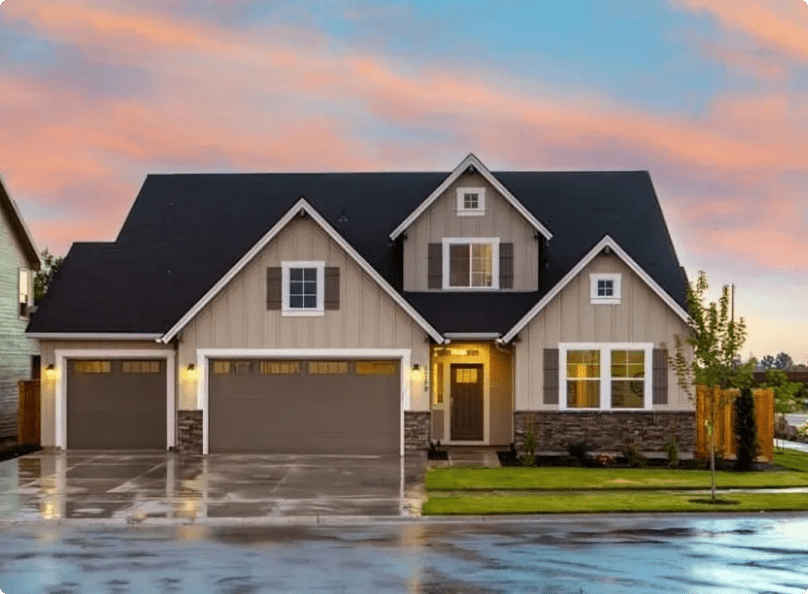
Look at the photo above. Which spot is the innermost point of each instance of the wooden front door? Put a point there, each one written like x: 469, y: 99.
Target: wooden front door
x: 466, y: 391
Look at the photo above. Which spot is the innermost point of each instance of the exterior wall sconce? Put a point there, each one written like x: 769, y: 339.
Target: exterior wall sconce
x: 417, y: 373
x: 50, y: 371
x: 190, y: 371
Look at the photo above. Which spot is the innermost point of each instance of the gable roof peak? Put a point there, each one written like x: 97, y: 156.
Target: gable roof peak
x: 18, y: 225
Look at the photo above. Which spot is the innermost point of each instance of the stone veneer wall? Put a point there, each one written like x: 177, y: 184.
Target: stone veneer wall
x: 417, y: 430
x: 608, y: 432
x: 189, y: 432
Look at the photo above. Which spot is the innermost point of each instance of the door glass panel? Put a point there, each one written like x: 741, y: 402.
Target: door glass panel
x: 466, y: 375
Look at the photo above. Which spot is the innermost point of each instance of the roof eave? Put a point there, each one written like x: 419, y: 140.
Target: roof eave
x: 23, y: 233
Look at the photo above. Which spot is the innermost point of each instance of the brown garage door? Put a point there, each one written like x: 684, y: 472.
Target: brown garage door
x: 116, y: 404
x: 305, y: 407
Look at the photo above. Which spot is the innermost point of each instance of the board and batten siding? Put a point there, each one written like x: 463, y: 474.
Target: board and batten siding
x: 500, y: 220
x: 48, y: 385
x: 367, y: 318
x: 15, y: 349
x: 570, y: 317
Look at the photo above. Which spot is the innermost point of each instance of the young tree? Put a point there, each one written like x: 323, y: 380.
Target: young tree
x: 715, y: 339
x: 45, y: 275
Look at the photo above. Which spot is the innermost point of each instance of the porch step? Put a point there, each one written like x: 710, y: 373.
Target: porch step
x: 470, y: 456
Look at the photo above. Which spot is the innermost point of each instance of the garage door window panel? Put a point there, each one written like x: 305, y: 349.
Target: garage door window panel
x: 328, y: 367
x: 140, y: 367
x: 92, y: 366
x: 280, y: 367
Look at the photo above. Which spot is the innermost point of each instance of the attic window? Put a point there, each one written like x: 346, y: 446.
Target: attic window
x: 604, y: 289
x: 470, y: 202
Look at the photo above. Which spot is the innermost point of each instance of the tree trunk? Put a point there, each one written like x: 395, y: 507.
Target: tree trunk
x: 712, y: 462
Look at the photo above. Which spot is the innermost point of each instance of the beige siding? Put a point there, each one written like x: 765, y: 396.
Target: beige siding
x: 48, y: 385
x: 640, y: 317
x: 368, y: 317
x: 501, y: 394
x: 500, y: 220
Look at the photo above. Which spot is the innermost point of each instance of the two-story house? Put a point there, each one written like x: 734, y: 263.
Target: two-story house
x: 369, y: 313
x: 19, y: 355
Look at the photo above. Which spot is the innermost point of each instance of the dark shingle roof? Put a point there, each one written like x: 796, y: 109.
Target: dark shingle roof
x: 186, y: 231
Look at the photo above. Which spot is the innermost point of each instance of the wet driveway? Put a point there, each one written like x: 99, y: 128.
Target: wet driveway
x: 626, y: 555
x: 127, y: 487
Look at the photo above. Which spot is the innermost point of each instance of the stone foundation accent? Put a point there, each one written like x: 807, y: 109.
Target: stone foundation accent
x: 608, y: 432
x: 417, y: 429
x: 189, y: 432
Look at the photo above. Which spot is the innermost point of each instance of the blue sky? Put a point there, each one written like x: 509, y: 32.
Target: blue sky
x: 707, y: 95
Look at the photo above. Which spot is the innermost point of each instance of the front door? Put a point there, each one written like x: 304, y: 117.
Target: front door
x: 466, y: 389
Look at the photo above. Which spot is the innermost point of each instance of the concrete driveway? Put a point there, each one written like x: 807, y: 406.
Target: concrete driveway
x: 160, y: 487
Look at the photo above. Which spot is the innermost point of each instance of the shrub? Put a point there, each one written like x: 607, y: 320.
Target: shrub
x: 672, y: 450
x: 802, y: 430
x: 530, y: 445
x: 579, y: 451
x: 745, y: 430
x: 633, y: 456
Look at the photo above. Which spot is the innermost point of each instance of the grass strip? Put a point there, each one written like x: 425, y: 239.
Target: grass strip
x: 792, y: 459
x: 610, y: 502
x: 561, y: 478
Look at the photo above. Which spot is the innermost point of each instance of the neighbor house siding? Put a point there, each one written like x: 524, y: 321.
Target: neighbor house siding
x: 48, y: 385
x: 500, y: 220
x: 641, y: 316
x: 367, y: 317
x: 15, y: 348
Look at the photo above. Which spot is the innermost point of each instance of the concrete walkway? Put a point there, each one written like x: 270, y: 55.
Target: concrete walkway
x: 163, y: 487
x: 791, y: 445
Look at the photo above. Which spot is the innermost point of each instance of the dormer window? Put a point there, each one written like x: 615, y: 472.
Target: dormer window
x: 470, y: 202
x: 604, y: 288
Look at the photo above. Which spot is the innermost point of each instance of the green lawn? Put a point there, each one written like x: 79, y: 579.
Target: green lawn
x: 792, y: 459
x: 611, y: 501
x: 561, y: 478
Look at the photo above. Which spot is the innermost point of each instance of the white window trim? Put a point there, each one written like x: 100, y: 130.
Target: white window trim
x: 286, y: 267
x: 462, y: 211
x: 448, y: 241
x: 29, y: 290
x: 61, y: 359
x: 203, y: 357
x: 617, y: 295
x: 605, y: 349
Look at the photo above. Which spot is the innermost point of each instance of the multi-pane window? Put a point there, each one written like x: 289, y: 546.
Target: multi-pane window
x: 140, y: 367
x: 302, y: 288
x: 471, y: 264
x: 328, y: 367
x: 92, y: 366
x: 280, y: 367
x: 376, y: 368
x: 470, y: 202
x: 628, y: 379
x: 24, y: 290
x: 606, y: 376
x: 583, y: 379
x: 605, y: 288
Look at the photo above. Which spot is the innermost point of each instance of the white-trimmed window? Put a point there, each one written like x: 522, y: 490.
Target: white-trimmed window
x: 471, y: 263
x: 303, y: 288
x: 24, y: 284
x: 470, y: 202
x: 604, y: 288
x: 605, y: 376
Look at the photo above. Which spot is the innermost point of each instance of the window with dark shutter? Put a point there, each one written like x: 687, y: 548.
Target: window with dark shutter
x: 550, y: 376
x: 331, y: 287
x: 274, y: 287
x: 660, y: 387
x: 506, y: 266
x: 435, y: 266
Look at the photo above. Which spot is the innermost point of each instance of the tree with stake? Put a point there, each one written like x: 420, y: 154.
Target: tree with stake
x: 715, y: 338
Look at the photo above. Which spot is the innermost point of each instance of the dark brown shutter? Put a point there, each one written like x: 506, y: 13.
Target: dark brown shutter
x: 550, y: 376
x: 660, y: 376
x: 506, y: 266
x: 274, y: 280
x: 435, y: 266
x: 331, y: 300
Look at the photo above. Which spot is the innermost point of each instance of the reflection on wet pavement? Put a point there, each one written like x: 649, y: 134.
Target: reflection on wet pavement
x: 140, y: 487
x: 594, y: 555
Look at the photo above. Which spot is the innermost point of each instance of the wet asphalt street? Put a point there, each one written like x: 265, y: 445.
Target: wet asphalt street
x: 634, y: 554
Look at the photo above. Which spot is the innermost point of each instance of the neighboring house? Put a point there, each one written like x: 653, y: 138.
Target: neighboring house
x: 370, y: 313
x: 19, y: 355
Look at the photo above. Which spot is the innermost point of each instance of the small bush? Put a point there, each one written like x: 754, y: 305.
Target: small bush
x: 633, y: 456
x: 802, y: 431
x: 579, y: 450
x: 745, y: 430
x: 531, y: 443
x: 672, y: 451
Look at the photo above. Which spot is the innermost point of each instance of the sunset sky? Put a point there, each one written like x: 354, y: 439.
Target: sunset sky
x: 710, y: 96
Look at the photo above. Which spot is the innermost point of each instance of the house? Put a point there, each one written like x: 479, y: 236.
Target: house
x: 370, y: 313
x: 19, y: 355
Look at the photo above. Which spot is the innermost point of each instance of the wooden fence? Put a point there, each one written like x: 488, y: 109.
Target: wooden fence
x: 725, y: 422
x: 28, y: 413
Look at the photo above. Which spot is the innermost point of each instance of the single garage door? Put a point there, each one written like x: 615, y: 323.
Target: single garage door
x: 116, y: 404
x: 304, y: 407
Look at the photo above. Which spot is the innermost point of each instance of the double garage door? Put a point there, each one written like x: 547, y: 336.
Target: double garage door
x: 255, y: 406
x: 304, y: 406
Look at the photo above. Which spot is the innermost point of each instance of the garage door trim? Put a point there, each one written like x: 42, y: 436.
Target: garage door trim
x: 204, y: 355
x: 63, y: 356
